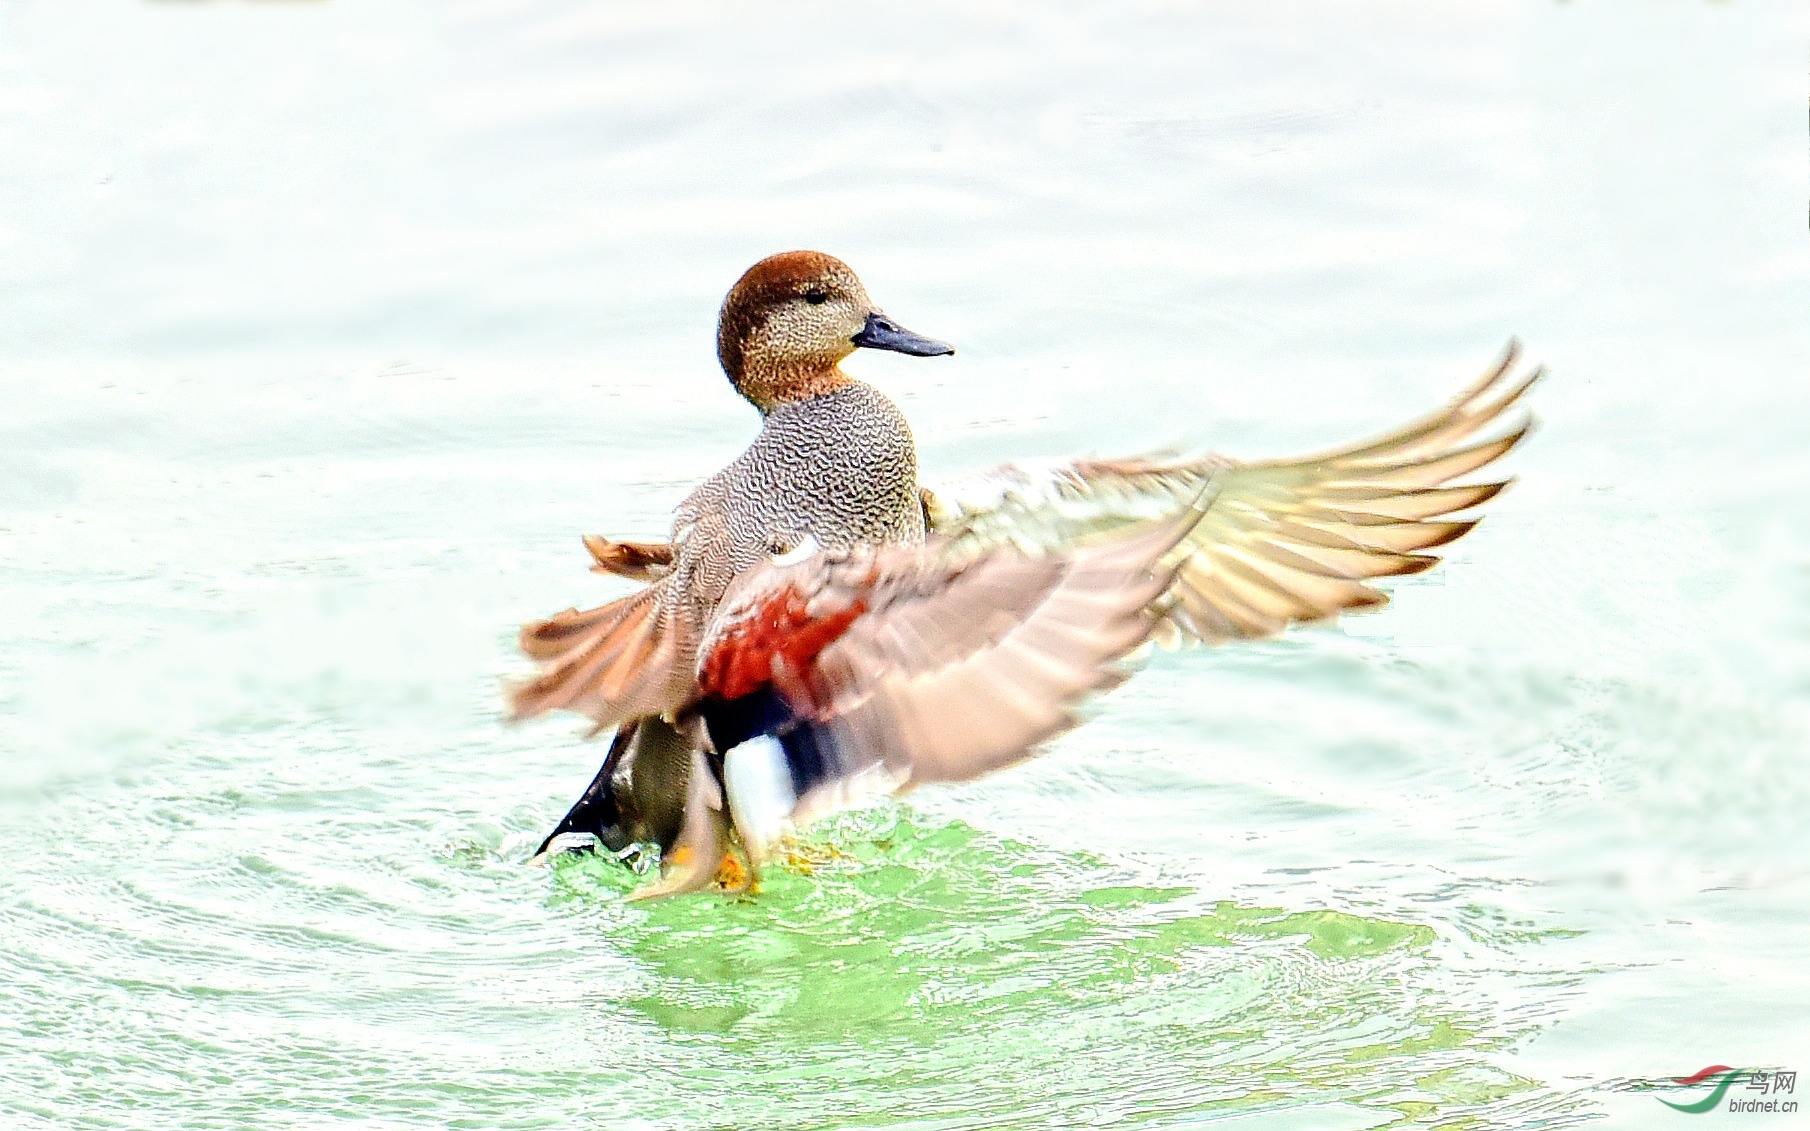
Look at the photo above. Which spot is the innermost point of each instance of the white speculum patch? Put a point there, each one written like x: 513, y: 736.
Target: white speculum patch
x: 759, y: 784
x: 807, y: 546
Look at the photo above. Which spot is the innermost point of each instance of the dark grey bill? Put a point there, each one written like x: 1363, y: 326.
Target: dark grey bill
x: 882, y: 333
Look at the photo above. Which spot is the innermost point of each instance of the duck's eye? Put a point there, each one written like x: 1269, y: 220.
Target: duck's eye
x: 816, y: 298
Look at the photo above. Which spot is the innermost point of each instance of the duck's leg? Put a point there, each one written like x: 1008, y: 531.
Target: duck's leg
x: 807, y: 858
x: 732, y: 875
x: 694, y: 860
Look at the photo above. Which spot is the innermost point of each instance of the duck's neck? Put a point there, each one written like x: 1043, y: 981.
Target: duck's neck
x: 771, y: 386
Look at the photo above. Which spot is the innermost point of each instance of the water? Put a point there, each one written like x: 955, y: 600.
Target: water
x: 329, y: 327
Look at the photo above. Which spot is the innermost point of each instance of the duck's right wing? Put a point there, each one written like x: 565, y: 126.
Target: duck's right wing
x: 841, y: 675
x: 970, y: 673
x: 1282, y: 541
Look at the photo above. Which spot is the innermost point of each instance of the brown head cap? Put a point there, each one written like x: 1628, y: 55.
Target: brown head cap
x: 791, y: 319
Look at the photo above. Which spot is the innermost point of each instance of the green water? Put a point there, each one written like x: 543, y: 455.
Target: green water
x: 326, y: 328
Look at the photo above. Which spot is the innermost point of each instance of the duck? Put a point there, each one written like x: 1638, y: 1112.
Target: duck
x: 819, y: 629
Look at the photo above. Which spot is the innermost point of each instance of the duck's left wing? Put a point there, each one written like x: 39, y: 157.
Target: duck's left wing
x: 1282, y: 541
x: 637, y: 561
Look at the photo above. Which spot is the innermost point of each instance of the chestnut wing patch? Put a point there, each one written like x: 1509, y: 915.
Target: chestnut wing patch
x: 883, y: 668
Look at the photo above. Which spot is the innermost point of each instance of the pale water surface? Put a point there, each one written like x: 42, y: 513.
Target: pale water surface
x: 325, y: 328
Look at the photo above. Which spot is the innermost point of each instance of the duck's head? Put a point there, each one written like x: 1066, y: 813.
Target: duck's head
x: 791, y: 319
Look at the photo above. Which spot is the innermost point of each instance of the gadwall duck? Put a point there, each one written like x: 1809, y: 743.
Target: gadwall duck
x: 819, y: 629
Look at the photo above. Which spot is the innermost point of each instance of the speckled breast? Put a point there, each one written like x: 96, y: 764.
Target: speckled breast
x: 841, y: 468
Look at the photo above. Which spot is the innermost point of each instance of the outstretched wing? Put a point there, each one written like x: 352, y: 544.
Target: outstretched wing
x: 620, y: 661
x: 637, y: 561
x: 951, y: 682
x: 841, y: 675
x: 1282, y: 541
